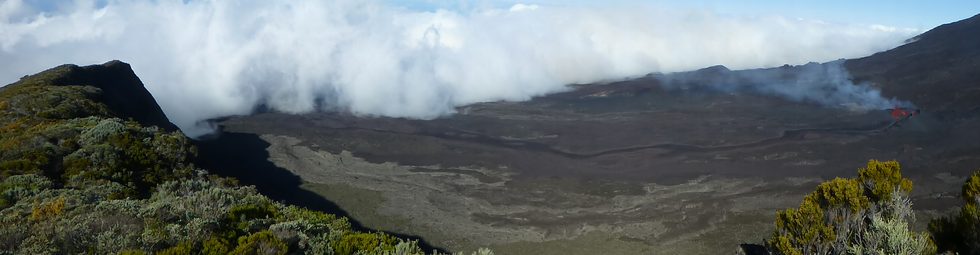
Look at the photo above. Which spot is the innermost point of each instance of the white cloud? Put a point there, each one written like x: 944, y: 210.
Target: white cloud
x: 205, y: 59
x: 523, y: 7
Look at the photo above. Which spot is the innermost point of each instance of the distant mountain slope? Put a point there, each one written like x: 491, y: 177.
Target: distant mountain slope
x: 938, y: 70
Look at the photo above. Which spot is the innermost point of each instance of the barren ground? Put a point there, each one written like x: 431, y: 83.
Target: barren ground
x: 623, y: 168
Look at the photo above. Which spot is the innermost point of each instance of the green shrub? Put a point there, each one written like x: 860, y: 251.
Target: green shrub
x: 245, y: 212
x: 214, y: 246
x: 15, y: 188
x: 182, y: 248
x: 890, y: 234
x: 960, y: 232
x: 866, y: 215
x: 352, y: 243
x: 313, y: 217
x: 49, y: 209
x: 841, y: 192
x: 882, y: 179
x: 802, y: 230
x: 242, y: 217
x: 412, y: 248
x: 260, y: 243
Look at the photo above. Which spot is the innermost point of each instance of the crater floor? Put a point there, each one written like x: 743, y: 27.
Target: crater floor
x: 621, y: 168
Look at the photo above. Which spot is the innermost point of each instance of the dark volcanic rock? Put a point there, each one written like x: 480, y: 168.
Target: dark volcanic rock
x: 939, y: 70
x: 121, y: 90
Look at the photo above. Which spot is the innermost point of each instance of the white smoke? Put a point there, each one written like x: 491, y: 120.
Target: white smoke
x: 206, y: 59
x: 828, y: 84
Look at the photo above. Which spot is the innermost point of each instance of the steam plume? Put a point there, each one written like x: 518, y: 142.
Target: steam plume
x: 828, y: 84
x: 205, y: 59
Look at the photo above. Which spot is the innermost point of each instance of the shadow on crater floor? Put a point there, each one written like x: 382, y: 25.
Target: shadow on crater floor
x: 244, y: 157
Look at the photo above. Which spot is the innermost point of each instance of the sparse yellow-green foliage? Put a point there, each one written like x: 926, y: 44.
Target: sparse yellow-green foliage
x: 960, y: 232
x: 49, y: 209
x: 840, y: 192
x: 182, y: 248
x: 214, y: 246
x: 971, y: 189
x: 15, y: 188
x: 365, y: 242
x: 196, y: 215
x: 801, y: 229
x: 241, y: 217
x: 261, y: 243
x: 883, y: 179
x: 865, y: 215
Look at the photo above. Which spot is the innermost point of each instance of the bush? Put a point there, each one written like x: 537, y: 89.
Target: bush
x: 883, y: 179
x: 215, y: 246
x: 260, y: 243
x: 241, y: 217
x: 48, y: 209
x: 888, y: 233
x: 960, y: 232
x: 365, y: 242
x: 864, y: 215
x: 182, y: 248
x: 18, y: 187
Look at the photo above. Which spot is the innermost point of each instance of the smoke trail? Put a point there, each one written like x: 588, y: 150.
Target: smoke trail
x: 828, y: 84
x: 205, y: 59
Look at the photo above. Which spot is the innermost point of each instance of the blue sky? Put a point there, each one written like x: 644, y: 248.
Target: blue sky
x: 899, y: 13
x: 916, y: 14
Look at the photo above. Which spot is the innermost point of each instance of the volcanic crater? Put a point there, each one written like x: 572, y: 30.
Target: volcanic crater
x: 631, y: 167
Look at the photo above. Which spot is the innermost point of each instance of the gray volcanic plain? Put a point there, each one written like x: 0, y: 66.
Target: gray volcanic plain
x: 629, y: 167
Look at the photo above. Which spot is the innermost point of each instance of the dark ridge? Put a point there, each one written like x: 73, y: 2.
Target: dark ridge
x: 717, y: 69
x: 122, y: 90
x: 962, y: 28
x: 244, y: 157
x: 937, y: 70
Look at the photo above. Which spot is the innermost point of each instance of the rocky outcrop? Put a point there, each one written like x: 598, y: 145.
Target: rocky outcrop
x: 120, y: 90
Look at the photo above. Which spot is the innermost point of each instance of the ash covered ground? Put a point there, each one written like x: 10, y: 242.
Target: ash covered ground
x: 643, y: 166
x: 627, y: 167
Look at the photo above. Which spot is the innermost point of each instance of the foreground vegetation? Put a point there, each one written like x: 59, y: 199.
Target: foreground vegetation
x: 196, y: 214
x: 870, y: 214
x: 960, y: 231
x: 75, y: 179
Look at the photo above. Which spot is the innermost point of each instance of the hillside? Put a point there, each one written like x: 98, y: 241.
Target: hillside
x: 89, y: 163
x: 937, y: 69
